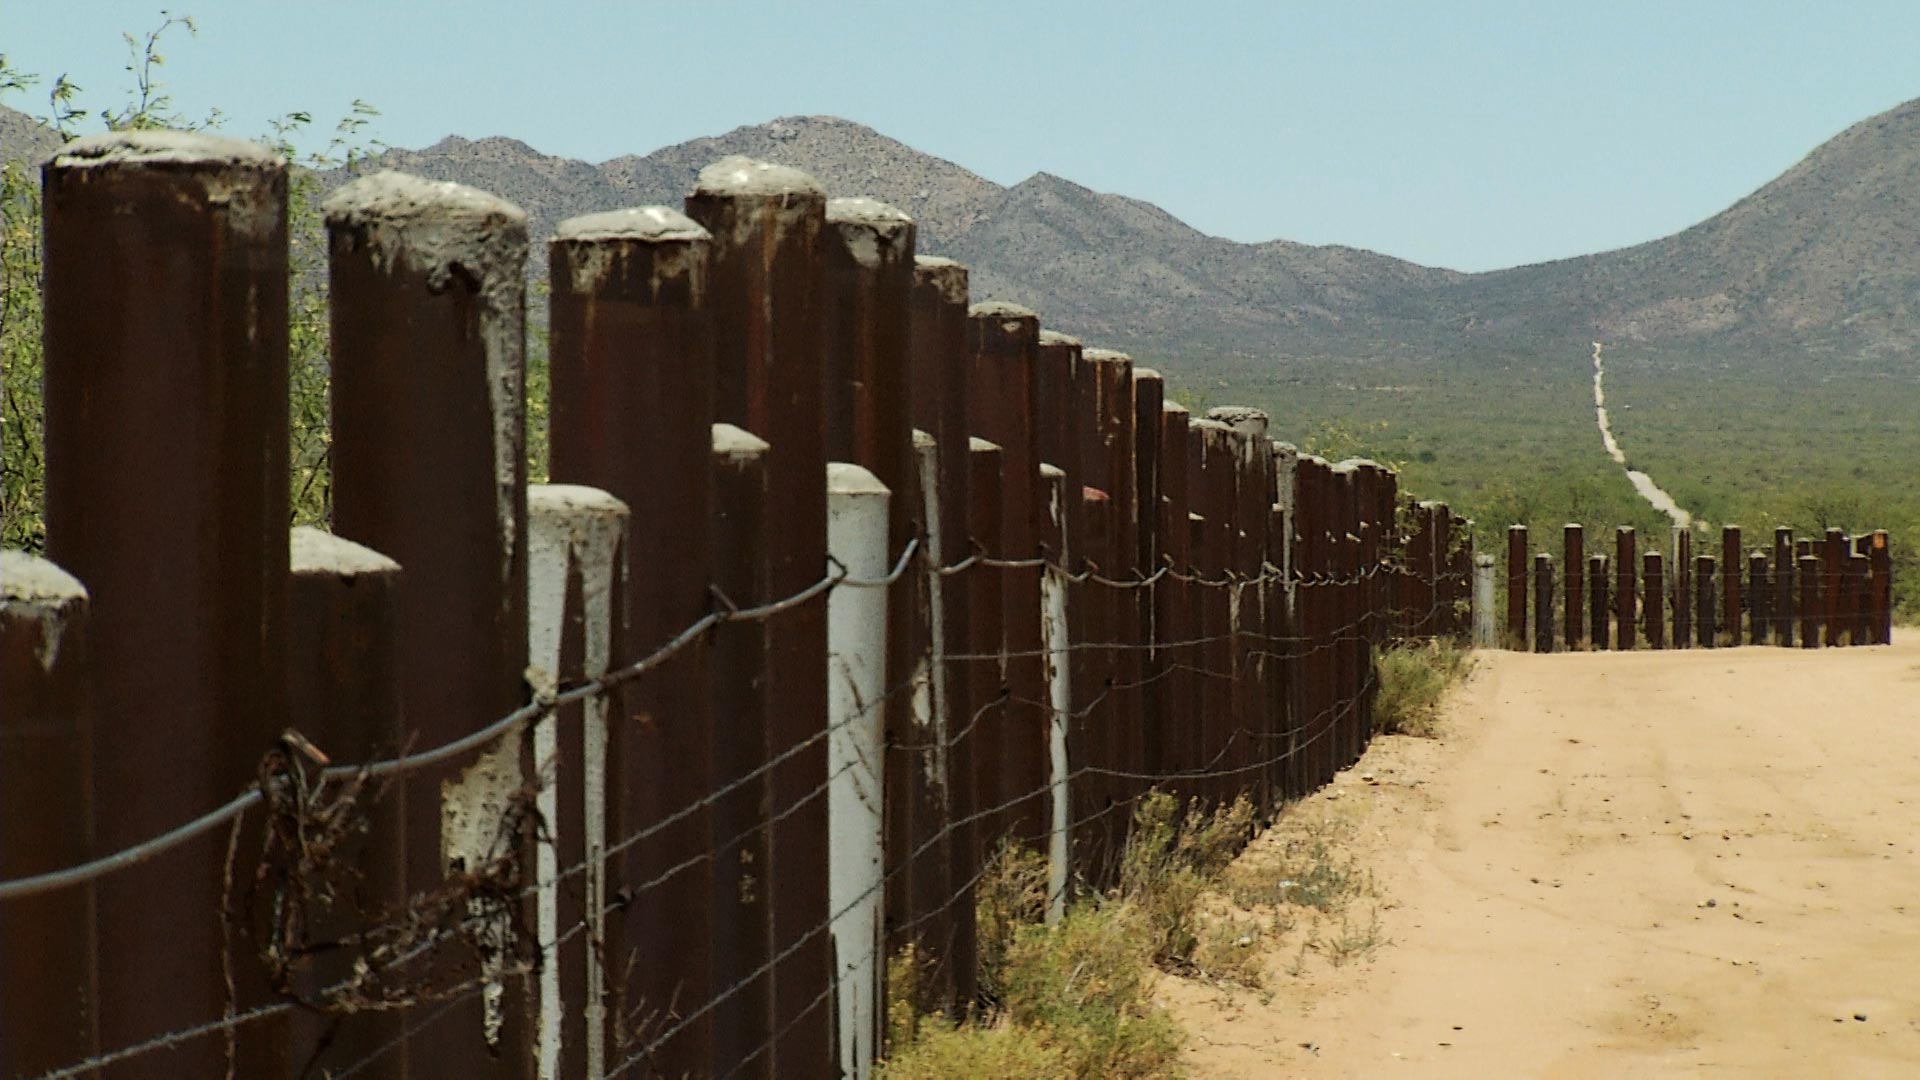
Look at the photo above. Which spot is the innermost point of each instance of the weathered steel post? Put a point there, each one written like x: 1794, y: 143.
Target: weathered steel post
x: 428, y: 325
x: 1654, y: 578
x: 1004, y: 341
x: 1833, y: 567
x: 343, y: 694
x: 1624, y: 562
x: 1732, y: 605
x: 1149, y: 401
x: 1682, y: 586
x: 1782, y: 570
x: 868, y: 326
x: 938, y: 385
x: 1517, y: 586
x: 1172, y: 601
x: 1705, y: 635
x: 1484, y: 634
x: 1543, y: 601
x: 1601, y: 609
x: 48, y: 961
x: 1882, y: 558
x: 632, y: 410
x: 1576, y: 557
x: 982, y: 735
x: 1760, y: 597
x: 765, y: 294
x: 1809, y: 572
x: 742, y: 827
x: 166, y: 455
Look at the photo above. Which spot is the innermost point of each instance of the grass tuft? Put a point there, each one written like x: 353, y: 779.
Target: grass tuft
x: 1412, y: 681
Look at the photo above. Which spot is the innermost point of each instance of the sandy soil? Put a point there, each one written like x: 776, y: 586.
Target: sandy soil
x: 1646, y: 865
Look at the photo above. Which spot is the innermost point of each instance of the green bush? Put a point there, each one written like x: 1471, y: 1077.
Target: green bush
x: 1084, y: 985
x: 1412, y: 679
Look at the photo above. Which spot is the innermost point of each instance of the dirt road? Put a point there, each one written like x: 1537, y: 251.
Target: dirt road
x: 1648, y: 865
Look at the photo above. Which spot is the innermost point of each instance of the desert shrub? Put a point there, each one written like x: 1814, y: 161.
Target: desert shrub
x: 1412, y: 679
x: 1170, y: 863
x: 1012, y: 893
x: 1084, y: 985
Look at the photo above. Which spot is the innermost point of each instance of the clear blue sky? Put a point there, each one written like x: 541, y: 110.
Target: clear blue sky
x: 1470, y: 135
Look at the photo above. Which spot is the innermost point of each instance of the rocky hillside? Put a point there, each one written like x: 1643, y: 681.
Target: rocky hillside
x: 1823, y: 262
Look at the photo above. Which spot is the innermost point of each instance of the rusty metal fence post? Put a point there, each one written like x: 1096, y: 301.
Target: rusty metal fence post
x: 1881, y: 556
x: 1809, y: 566
x: 1682, y: 587
x: 1732, y: 605
x: 1149, y: 402
x: 1782, y: 570
x: 632, y: 408
x: 765, y: 295
x: 938, y: 386
x: 1517, y: 586
x: 343, y: 694
x: 984, y: 732
x: 428, y: 316
x: 1653, y: 577
x: 1705, y: 635
x: 1543, y: 601
x: 1625, y: 600
x: 742, y: 827
x: 48, y: 962
x: 1172, y: 602
x: 1574, y: 538
x: 165, y: 296
x: 868, y: 326
x: 1602, y: 612
x: 1003, y: 341
x: 1759, y: 598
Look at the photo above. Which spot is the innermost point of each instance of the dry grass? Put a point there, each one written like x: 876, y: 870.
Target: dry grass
x: 1413, y: 679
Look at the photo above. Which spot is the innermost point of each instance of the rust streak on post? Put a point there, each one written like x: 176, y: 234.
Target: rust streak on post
x: 765, y: 296
x: 46, y: 818
x: 165, y: 293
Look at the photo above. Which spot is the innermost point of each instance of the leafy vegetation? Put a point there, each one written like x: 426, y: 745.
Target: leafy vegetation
x: 1412, y: 680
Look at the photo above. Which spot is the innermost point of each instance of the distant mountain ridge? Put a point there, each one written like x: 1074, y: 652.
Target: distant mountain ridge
x: 1822, y: 263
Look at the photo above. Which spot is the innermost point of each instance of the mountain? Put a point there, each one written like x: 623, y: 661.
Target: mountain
x: 1821, y: 263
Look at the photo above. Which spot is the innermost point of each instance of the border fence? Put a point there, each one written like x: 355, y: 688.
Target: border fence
x: 1826, y: 591
x: 845, y: 585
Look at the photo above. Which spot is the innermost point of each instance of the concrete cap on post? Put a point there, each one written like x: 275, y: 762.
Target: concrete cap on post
x: 738, y: 176
x: 737, y: 443
x: 978, y: 445
x: 37, y: 583
x: 1009, y: 314
x: 869, y: 227
x: 1246, y: 420
x: 949, y: 278
x: 648, y: 224
x: 316, y: 551
x: 1173, y: 407
x: 593, y: 247
x: 247, y: 179
x: 1056, y: 338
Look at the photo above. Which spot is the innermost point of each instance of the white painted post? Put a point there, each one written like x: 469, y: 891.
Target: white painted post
x: 1059, y: 670
x: 1485, y: 636
x: 856, y: 675
x: 933, y: 674
x: 573, y: 533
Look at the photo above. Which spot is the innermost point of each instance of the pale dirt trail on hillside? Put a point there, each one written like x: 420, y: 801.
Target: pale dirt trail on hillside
x: 1546, y: 872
